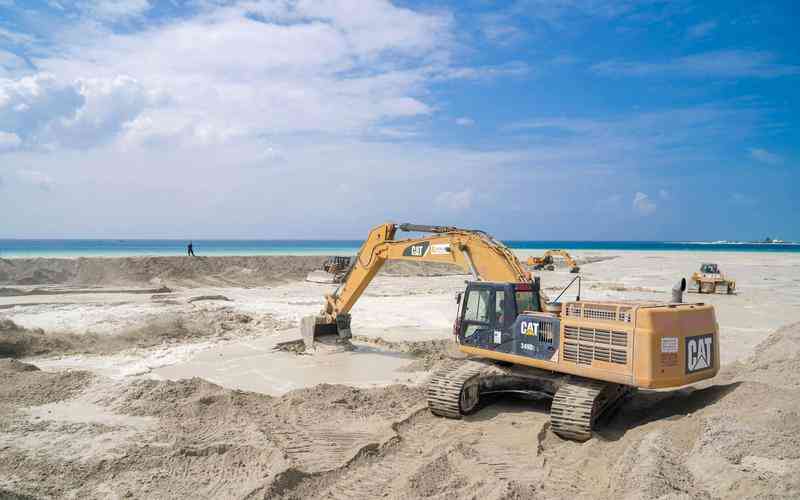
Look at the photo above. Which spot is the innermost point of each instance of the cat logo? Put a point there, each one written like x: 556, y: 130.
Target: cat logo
x: 416, y: 250
x: 699, y: 353
x: 529, y: 328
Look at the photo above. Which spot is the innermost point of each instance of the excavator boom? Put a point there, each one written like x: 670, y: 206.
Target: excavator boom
x: 474, y: 251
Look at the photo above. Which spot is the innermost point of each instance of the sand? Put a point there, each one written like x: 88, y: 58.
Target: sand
x: 126, y: 390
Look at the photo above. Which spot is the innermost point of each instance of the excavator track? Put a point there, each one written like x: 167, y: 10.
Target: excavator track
x: 454, y: 390
x: 579, y: 403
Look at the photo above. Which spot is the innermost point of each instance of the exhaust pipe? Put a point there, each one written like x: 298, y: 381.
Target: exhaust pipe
x: 677, y: 291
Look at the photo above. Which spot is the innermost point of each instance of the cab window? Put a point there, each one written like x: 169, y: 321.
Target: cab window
x: 477, y: 306
x: 499, y: 313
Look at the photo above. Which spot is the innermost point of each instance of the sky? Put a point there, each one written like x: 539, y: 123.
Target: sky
x: 530, y: 119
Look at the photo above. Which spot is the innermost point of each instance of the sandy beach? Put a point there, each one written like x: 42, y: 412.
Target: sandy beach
x: 157, y: 377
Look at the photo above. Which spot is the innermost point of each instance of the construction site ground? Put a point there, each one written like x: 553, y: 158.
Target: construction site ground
x: 158, y: 378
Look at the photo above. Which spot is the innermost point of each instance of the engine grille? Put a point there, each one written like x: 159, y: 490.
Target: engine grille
x: 547, y: 331
x: 600, y: 312
x: 582, y: 345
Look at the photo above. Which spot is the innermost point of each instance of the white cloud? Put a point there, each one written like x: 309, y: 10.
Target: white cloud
x: 36, y: 178
x: 764, y: 156
x: 272, y: 155
x: 11, y: 64
x: 454, y: 201
x: 264, y: 68
x: 16, y: 37
x: 721, y: 64
x: 643, y: 205
x: 43, y: 111
x: 249, y: 69
x: 465, y: 121
x: 701, y: 30
x: 8, y: 141
x: 501, y: 29
x: 511, y: 69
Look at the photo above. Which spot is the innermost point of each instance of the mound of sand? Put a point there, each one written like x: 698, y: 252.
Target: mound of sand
x: 72, y: 434
x: 182, y: 271
x: 166, y: 328
x: 185, y: 439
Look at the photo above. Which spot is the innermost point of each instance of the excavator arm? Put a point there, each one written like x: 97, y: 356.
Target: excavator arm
x: 474, y: 251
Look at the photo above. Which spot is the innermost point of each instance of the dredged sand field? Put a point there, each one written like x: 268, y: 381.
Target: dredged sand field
x: 142, y: 363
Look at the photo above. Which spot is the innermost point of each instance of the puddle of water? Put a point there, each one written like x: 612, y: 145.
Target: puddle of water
x: 253, y: 365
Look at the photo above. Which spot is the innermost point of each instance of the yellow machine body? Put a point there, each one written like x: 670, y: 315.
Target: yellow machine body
x: 642, y: 345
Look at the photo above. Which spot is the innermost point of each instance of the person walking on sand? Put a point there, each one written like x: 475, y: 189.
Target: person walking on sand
x: 190, y: 250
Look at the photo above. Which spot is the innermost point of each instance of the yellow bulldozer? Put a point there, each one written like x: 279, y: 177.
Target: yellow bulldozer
x: 586, y: 355
x: 546, y: 261
x: 710, y: 279
x: 333, y: 270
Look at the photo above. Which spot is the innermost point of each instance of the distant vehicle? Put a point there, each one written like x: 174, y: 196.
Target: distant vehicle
x: 711, y: 280
x: 333, y: 270
x: 546, y: 261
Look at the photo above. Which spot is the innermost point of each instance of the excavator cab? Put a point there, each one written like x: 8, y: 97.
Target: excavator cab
x: 507, y: 318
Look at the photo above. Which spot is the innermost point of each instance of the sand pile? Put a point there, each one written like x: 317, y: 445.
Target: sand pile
x: 183, y: 271
x: 738, y: 437
x: 165, y: 329
x: 186, y: 439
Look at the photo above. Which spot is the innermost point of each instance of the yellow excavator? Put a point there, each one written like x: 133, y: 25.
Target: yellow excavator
x: 546, y: 261
x: 585, y: 355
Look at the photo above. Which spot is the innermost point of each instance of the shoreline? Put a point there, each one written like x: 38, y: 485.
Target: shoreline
x: 324, y: 252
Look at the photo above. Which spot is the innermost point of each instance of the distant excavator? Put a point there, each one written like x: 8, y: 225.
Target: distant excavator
x: 585, y: 355
x: 546, y: 261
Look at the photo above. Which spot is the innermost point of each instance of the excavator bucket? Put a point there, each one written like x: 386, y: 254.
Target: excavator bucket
x: 317, y: 330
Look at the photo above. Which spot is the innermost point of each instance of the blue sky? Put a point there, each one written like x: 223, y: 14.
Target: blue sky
x: 532, y: 119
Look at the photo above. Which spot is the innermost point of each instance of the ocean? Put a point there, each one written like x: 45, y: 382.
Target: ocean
x: 139, y: 247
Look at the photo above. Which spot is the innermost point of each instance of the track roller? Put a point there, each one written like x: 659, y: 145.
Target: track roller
x: 454, y: 390
x: 579, y: 403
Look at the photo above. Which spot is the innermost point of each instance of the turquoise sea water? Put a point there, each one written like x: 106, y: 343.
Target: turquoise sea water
x: 120, y: 248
